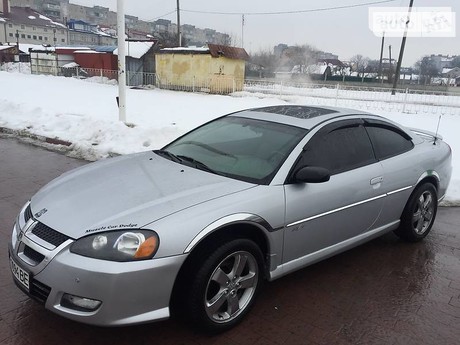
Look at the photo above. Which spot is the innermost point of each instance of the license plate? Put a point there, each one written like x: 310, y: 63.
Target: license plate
x: 21, y: 275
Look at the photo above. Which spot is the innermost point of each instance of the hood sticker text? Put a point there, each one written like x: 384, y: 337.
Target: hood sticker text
x: 112, y: 227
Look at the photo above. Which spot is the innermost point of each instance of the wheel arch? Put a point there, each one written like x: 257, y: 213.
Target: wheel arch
x: 213, y: 236
x: 430, y: 176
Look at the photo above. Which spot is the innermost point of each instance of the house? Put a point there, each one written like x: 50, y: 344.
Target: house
x: 50, y: 60
x: 215, y: 68
x: 8, y: 53
x: 24, y: 25
x: 103, y: 61
x: 83, y: 33
x: 451, y: 73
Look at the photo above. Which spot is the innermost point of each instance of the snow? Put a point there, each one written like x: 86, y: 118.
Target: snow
x: 136, y: 49
x: 22, y: 67
x: 71, y: 65
x: 86, y: 114
x: 193, y: 49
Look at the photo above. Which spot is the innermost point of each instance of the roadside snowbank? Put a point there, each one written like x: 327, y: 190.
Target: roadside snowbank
x: 86, y: 114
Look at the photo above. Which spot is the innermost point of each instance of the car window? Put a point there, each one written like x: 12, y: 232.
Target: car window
x: 246, y: 149
x: 338, y: 149
x: 388, y: 141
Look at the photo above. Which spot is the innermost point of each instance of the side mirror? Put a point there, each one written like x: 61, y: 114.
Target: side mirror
x: 312, y: 175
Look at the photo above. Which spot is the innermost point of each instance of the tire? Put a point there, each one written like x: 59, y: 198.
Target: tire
x: 225, y: 285
x: 419, y: 214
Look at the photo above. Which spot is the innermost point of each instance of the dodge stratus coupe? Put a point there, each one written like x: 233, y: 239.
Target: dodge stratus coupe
x: 196, y: 226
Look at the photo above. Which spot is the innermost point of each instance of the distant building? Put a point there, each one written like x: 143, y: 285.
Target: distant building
x: 54, y: 9
x: 326, y: 56
x: 279, y: 49
x: 29, y: 26
x: 63, y: 11
x: 441, y: 61
x: 82, y: 33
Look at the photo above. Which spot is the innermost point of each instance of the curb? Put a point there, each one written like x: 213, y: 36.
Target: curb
x: 41, y: 138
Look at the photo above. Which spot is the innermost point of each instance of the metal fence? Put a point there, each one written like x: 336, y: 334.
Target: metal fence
x: 341, y: 95
x: 215, y: 84
x: 361, y: 97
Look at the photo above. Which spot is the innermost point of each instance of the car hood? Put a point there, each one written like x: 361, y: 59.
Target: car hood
x: 125, y: 192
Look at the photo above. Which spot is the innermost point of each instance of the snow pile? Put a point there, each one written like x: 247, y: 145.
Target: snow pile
x: 20, y: 67
x: 86, y: 114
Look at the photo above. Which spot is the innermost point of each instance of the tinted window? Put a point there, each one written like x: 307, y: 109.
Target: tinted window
x: 388, y: 142
x: 339, y: 149
x: 241, y: 148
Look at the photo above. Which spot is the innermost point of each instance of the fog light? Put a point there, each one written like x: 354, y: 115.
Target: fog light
x: 79, y: 303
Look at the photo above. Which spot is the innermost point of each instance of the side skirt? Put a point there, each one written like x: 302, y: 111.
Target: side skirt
x: 327, y: 252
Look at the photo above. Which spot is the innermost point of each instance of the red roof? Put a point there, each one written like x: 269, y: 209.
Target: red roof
x: 217, y: 50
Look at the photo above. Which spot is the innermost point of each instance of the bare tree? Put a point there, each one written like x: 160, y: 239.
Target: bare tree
x: 360, y: 63
x: 169, y: 40
x: 427, y: 69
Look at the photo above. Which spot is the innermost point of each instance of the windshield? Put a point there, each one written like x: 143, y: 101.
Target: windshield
x: 237, y: 147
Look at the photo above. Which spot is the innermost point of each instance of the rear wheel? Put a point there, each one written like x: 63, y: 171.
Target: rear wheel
x: 225, y: 285
x: 419, y: 214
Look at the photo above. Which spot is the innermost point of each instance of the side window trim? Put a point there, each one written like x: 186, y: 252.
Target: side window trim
x: 384, y: 125
x: 348, y: 123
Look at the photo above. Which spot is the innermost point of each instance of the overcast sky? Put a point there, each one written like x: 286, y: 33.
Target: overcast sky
x: 344, y: 32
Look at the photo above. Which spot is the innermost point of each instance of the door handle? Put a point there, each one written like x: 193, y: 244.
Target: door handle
x: 376, y: 180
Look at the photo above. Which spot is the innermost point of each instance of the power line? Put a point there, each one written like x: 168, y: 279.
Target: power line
x: 163, y: 15
x: 290, y: 12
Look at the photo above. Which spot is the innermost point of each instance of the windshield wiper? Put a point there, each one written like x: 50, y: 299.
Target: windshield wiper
x: 168, y: 155
x: 199, y: 165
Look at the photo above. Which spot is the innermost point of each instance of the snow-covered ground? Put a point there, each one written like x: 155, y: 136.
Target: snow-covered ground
x: 86, y: 114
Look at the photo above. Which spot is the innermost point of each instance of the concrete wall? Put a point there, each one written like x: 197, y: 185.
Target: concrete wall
x: 219, y: 75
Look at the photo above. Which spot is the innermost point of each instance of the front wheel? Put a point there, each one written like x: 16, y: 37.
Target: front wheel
x: 419, y: 214
x: 226, y: 285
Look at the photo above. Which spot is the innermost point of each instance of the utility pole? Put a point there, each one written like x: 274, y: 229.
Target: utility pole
x: 401, y: 51
x: 390, y: 69
x: 121, y: 61
x: 242, y: 31
x: 381, y: 57
x: 179, y: 38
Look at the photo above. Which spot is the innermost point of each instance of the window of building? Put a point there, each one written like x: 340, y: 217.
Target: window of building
x: 33, y: 28
x: 10, y: 25
x: 23, y: 27
x: 34, y: 37
x: 63, y: 40
x: 11, y: 34
x: 46, y: 38
x: 40, y: 38
x: 46, y: 30
x: 23, y: 36
x: 28, y: 36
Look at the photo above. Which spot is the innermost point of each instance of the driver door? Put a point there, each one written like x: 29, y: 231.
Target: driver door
x: 320, y: 215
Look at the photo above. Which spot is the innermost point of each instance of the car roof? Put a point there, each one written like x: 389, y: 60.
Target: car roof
x: 300, y: 115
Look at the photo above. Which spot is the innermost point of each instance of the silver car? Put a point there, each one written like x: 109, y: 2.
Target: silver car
x: 195, y: 227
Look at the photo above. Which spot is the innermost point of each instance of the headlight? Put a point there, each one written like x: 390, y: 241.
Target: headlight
x: 125, y: 245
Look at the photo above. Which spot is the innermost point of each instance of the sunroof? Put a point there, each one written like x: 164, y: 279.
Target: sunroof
x: 300, y: 112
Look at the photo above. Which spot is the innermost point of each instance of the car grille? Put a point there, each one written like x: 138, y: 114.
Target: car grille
x: 33, y: 255
x: 49, y: 235
x: 39, y: 291
x: 27, y: 214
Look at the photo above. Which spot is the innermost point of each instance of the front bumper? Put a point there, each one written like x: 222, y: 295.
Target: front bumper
x: 130, y: 292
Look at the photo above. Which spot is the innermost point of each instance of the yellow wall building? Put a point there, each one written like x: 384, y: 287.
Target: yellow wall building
x: 215, y: 69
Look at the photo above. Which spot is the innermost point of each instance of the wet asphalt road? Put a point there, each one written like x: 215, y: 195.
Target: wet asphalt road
x: 383, y: 292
